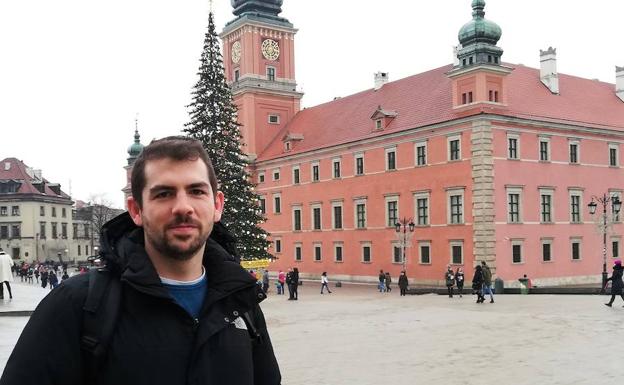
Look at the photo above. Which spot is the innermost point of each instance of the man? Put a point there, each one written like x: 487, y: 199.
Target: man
x: 6, y: 275
x: 449, y: 277
x: 487, y: 281
x: 382, y: 281
x: 186, y: 304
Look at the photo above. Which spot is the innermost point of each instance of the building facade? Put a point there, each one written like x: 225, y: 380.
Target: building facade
x: 36, y: 217
x: 491, y: 161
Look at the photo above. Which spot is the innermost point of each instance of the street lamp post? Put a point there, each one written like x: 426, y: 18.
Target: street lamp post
x: 616, y: 204
x: 401, y: 227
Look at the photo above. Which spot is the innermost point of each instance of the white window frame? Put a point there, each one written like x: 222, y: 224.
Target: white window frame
x: 370, y: 248
x: 615, y: 146
x: 517, y: 138
x: 396, y: 246
x: 312, y: 208
x: 517, y: 242
x: 274, y: 73
x: 274, y: 196
x: 378, y: 124
x: 543, y: 139
x: 316, y: 164
x: 298, y: 245
x: 578, y: 240
x: 578, y: 150
x: 388, y: 199
x: 336, y: 246
x: 449, y: 139
x: 575, y: 192
x: 550, y: 192
x: 357, y: 202
x: 387, y: 152
x: 422, y: 244
x: 300, y: 209
x: 612, y: 194
x: 514, y: 190
x: 546, y: 241
x: 422, y: 195
x: 359, y: 155
x: 618, y: 239
x: 452, y: 192
x: 417, y: 145
x: 261, y: 203
x: 298, y: 168
x: 317, y: 246
x: 334, y: 161
x: 335, y: 204
x: 276, y: 171
x: 276, y: 116
x: 261, y: 177
x: 277, y: 245
x: 460, y: 243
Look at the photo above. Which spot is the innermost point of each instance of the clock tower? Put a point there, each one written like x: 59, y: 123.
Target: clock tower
x: 259, y: 61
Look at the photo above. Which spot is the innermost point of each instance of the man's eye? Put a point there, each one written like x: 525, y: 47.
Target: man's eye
x: 163, y: 194
x: 198, y: 192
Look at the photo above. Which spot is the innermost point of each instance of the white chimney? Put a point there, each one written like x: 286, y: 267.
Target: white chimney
x: 455, y: 52
x: 381, y: 78
x: 619, y: 82
x: 548, y: 69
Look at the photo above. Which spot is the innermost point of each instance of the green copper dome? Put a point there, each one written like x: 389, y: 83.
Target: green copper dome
x: 479, y: 30
x: 135, y: 148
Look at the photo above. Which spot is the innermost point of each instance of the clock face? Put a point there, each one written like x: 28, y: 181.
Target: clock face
x: 236, y: 52
x: 270, y: 49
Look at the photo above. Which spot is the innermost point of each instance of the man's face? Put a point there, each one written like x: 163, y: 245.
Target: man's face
x: 179, y: 207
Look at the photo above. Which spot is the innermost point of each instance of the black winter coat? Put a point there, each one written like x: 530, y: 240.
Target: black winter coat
x: 403, y: 281
x: 155, y: 341
x: 477, y: 280
x: 616, y: 280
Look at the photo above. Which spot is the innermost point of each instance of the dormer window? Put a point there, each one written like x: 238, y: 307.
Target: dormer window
x: 287, y: 146
x: 378, y: 124
x: 290, y: 140
x: 382, y: 118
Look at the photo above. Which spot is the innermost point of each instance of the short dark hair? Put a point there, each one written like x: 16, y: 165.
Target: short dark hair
x: 174, y: 147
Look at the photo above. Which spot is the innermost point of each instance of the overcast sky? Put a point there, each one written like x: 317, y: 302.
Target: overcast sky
x: 74, y: 73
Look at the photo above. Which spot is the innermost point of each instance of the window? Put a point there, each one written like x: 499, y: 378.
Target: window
x: 492, y: 95
x: 390, y: 159
x: 315, y: 172
x: 454, y: 148
x: 455, y: 207
x: 298, y: 256
x: 4, y: 232
x: 3, y: 211
x: 544, y: 149
x: 63, y: 212
x: 78, y: 249
x: 16, y: 231
x: 573, y: 152
x: 546, y: 250
x: 576, y: 249
x: 613, y: 155
x: 64, y: 230
x: 270, y: 71
x: 512, y: 147
x: 392, y: 211
x: 360, y: 214
x: 261, y: 177
x: 54, y: 232
x: 336, y: 164
x: 277, y: 203
x: 87, y: 231
x: 615, y: 216
x: 276, y: 174
x: 74, y: 230
x: 297, y: 219
x: 422, y: 209
x: 421, y: 154
x: 296, y: 175
x: 366, y: 253
x: 42, y: 230
x: 16, y: 252
x: 615, y: 248
x: 397, y: 256
x: 338, y: 252
x: 467, y: 96
x: 274, y: 119
x: 236, y: 75
x: 262, y: 202
x: 457, y: 252
x: 337, y: 215
x: 278, y: 245
x: 41, y: 211
x: 54, y: 211
x: 316, y: 217
x: 359, y: 164
x: 513, y: 204
x: 317, y: 252
x: 575, y: 207
x: 378, y: 125
x: 425, y: 253
x: 15, y: 211
x: 546, y: 206
x: 516, y: 252
x: 86, y: 249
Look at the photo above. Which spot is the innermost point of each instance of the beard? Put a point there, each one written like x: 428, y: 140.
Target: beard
x: 176, y: 247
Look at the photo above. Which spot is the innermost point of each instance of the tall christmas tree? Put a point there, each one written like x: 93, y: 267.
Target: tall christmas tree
x: 213, y: 122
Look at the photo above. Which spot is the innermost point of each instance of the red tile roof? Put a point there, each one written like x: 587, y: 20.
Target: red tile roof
x: 425, y: 99
x: 16, y: 170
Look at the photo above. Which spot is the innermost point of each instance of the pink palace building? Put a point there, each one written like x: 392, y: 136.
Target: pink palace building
x: 492, y: 161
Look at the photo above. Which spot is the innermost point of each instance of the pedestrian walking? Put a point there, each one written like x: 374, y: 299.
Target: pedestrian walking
x: 53, y: 278
x: 459, y: 280
x: 382, y: 281
x: 487, y: 281
x: 403, y: 283
x: 449, y: 277
x: 281, y: 280
x: 616, y: 282
x: 295, y: 283
x: 324, y: 282
x: 388, y: 281
x: 290, y: 284
x: 477, y: 284
x: 44, y: 277
x: 265, y: 281
x: 6, y: 275
x: 37, y: 274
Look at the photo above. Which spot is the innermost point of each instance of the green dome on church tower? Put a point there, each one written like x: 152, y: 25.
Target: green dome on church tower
x: 479, y: 30
x: 135, y: 148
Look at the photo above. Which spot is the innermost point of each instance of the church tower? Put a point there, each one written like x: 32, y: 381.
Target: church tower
x: 259, y: 61
x: 134, y: 150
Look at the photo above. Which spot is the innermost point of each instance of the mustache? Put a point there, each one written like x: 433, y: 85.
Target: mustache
x: 183, y: 220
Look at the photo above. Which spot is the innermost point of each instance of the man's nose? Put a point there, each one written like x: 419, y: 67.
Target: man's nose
x: 182, y: 205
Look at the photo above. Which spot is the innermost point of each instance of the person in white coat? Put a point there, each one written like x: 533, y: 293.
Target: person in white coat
x: 6, y: 263
x: 324, y: 282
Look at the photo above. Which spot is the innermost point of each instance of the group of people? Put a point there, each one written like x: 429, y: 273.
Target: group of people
x: 48, y: 272
x: 385, y: 279
x: 289, y: 280
x: 481, y: 282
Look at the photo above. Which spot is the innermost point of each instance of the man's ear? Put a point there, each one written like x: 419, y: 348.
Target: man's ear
x: 219, y: 202
x: 135, y: 211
